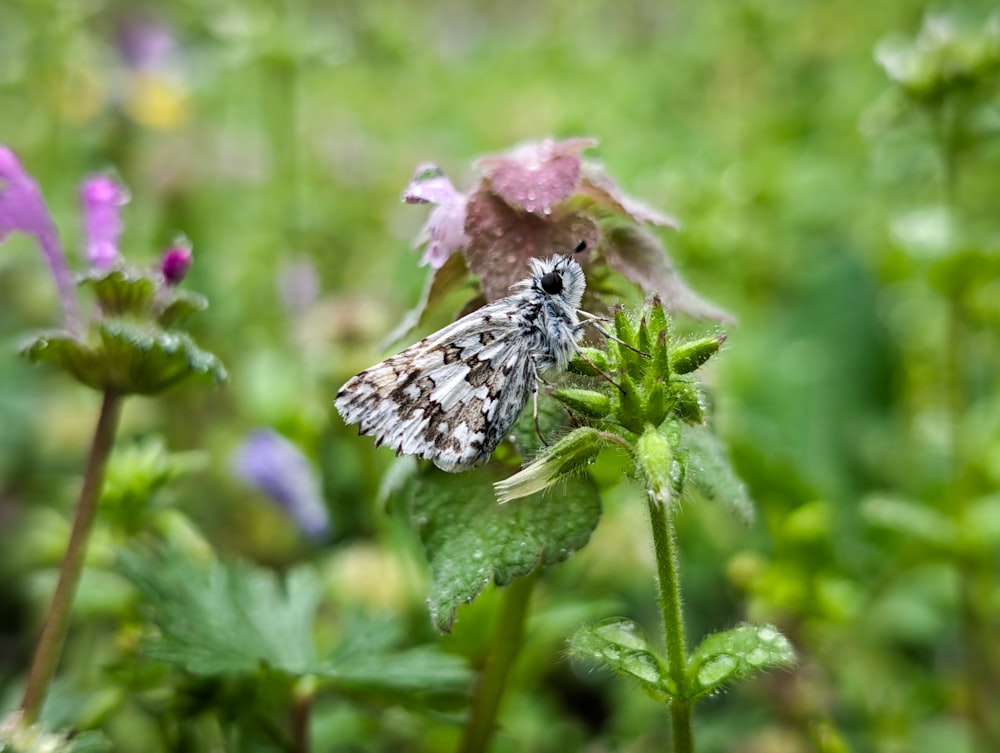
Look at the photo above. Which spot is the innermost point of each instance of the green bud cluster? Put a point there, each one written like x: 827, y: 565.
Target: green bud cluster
x: 647, y: 394
x: 651, y: 372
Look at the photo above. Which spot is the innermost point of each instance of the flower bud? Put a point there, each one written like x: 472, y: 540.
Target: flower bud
x: 654, y: 456
x: 175, y: 263
x: 567, y: 455
x: 687, y: 357
x: 586, y: 402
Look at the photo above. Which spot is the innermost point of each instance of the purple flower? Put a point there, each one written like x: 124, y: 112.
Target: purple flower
x: 144, y: 41
x: 444, y: 231
x: 299, y: 285
x: 278, y: 468
x: 102, y: 198
x: 23, y: 209
x: 175, y: 262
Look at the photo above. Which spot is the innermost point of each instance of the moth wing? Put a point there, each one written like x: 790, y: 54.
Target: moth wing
x: 450, y: 398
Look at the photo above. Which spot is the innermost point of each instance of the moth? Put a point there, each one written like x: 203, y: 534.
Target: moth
x: 453, y: 397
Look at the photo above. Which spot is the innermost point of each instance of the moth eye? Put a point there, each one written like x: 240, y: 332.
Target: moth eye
x: 552, y: 283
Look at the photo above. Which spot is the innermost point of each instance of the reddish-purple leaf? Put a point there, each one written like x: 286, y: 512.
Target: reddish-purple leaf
x: 600, y: 187
x: 640, y: 257
x: 502, y: 239
x: 535, y: 177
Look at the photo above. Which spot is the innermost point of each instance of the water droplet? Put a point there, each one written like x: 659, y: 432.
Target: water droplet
x: 716, y: 669
x: 645, y: 666
x: 757, y: 657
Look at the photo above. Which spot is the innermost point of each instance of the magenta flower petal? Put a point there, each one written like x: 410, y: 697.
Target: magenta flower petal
x: 22, y: 209
x: 281, y: 471
x: 102, y: 198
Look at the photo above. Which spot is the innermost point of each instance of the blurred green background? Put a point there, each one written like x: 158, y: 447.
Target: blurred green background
x: 849, y: 223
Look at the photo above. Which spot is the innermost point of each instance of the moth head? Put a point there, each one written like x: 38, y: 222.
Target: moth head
x: 559, y: 277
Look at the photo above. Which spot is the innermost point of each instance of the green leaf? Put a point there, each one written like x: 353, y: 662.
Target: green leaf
x: 180, y: 306
x: 122, y: 292
x: 470, y: 539
x: 421, y: 676
x: 127, y: 358
x: 980, y: 525
x: 910, y: 519
x: 735, y: 655
x: 711, y: 471
x: 622, y: 645
x: 215, y: 619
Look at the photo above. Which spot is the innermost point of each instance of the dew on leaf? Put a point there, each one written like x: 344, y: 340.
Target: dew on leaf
x: 768, y: 634
x: 716, y: 669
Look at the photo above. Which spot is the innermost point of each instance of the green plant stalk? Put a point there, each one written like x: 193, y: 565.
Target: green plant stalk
x: 50, y: 643
x: 503, y: 649
x: 667, y: 570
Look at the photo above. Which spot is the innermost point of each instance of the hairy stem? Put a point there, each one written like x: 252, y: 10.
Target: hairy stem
x: 667, y: 570
x: 53, y: 635
x: 504, y: 646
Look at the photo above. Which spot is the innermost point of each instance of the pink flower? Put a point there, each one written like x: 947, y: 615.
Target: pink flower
x: 102, y: 198
x: 22, y: 209
x: 444, y: 231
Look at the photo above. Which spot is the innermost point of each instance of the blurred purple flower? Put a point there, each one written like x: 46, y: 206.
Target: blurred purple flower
x: 444, y: 231
x: 23, y: 209
x: 102, y: 197
x: 175, y: 262
x: 278, y: 468
x: 144, y: 41
x: 298, y: 283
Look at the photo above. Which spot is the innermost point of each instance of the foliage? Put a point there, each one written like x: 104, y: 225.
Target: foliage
x: 832, y: 168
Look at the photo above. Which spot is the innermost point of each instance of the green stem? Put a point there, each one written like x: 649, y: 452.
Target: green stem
x: 667, y: 570
x: 53, y: 635
x: 504, y: 646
